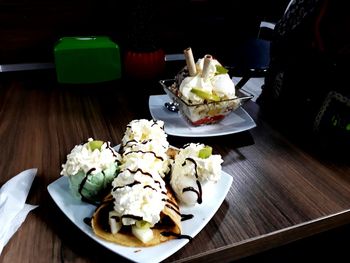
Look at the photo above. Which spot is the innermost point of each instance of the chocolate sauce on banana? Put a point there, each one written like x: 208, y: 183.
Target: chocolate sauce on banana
x: 190, y: 188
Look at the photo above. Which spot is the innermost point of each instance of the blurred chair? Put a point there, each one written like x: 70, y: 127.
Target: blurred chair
x: 251, y: 57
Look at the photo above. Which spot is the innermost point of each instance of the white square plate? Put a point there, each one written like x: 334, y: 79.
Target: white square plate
x: 77, y: 210
x: 176, y: 125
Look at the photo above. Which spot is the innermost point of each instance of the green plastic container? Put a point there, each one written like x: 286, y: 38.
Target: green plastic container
x: 87, y: 60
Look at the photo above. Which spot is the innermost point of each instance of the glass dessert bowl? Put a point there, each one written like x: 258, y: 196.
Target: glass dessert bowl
x: 207, y: 112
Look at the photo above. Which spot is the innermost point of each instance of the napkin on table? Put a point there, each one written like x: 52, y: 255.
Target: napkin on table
x: 13, y: 209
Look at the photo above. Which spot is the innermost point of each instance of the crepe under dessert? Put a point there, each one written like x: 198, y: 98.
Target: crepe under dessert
x: 91, y: 167
x: 140, y: 209
x: 205, y: 90
x: 194, y: 168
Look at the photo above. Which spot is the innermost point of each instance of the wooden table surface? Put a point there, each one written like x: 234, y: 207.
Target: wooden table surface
x: 280, y: 192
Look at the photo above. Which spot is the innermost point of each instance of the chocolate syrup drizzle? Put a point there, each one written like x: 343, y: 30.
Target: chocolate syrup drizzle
x: 144, y: 152
x: 148, y: 186
x: 155, y: 122
x: 87, y: 220
x: 145, y: 173
x: 111, y: 149
x: 178, y: 236
x: 169, y: 203
x: 81, y: 186
x: 185, y: 217
x: 83, y: 182
x: 190, y: 188
x: 172, y: 205
x: 130, y: 185
x: 129, y: 142
x: 146, y: 141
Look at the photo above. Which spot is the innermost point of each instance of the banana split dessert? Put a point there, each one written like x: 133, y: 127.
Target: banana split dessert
x: 144, y: 183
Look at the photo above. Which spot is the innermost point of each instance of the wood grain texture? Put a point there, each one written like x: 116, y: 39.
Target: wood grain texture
x: 280, y: 193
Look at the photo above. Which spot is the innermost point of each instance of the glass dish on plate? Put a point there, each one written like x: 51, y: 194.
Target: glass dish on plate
x: 204, y: 113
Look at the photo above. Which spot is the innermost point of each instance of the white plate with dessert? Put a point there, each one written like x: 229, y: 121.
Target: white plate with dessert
x: 146, y: 199
x: 176, y: 125
x: 206, y: 99
x: 77, y: 211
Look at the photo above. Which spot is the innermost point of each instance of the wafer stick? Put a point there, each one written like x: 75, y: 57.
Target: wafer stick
x: 205, y: 71
x: 191, y: 66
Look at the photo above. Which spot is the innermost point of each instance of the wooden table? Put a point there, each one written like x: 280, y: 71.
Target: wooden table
x: 280, y: 193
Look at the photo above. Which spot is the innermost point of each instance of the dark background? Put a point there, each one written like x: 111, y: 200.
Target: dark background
x: 29, y: 29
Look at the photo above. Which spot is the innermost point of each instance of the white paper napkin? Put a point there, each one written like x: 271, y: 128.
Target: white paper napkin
x: 13, y: 209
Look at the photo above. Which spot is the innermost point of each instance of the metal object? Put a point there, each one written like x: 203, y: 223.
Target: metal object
x: 174, y: 57
x: 172, y: 106
x: 25, y: 66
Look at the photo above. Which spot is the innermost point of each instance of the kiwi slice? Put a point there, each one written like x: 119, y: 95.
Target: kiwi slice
x: 205, y: 153
x: 205, y: 95
x: 96, y: 144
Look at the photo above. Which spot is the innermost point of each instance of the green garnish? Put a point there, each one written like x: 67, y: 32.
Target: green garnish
x: 205, y: 153
x: 205, y: 95
x: 220, y: 70
x: 95, y: 145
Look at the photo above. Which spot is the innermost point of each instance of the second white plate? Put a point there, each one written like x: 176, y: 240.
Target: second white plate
x: 176, y: 125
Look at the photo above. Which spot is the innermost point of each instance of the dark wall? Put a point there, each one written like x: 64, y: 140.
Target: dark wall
x: 30, y: 28
x: 217, y: 24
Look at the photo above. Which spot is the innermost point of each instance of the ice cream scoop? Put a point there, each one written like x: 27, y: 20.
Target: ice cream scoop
x: 91, y: 167
x: 211, y: 83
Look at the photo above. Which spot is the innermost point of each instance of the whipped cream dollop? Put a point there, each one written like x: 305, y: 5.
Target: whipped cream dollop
x: 139, y: 191
x: 212, y: 67
x: 215, y: 82
x: 145, y: 141
x: 223, y: 86
x: 138, y: 195
x: 83, y: 158
x: 190, y: 172
x: 146, y: 159
x: 195, y: 82
x: 149, y: 133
